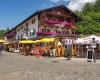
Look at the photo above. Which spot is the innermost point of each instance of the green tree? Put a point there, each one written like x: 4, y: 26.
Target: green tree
x: 88, y: 7
x: 2, y: 32
x: 7, y: 29
x: 97, y: 6
x: 90, y: 23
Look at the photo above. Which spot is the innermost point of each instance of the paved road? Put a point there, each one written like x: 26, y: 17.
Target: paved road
x: 18, y: 67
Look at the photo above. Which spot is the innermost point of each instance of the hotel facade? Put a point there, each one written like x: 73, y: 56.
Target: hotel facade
x: 57, y: 21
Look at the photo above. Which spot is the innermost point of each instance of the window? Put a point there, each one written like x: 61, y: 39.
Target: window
x: 67, y: 32
x: 48, y: 30
x: 27, y: 24
x: 43, y: 30
x: 21, y: 27
x: 18, y: 29
x: 69, y: 20
x: 49, y: 18
x: 43, y: 17
x: 21, y: 36
x: 56, y: 31
x: 70, y: 32
x: 63, y: 32
x: 59, y: 13
x: 18, y: 37
x: 30, y: 34
x: 33, y: 21
x: 54, y: 19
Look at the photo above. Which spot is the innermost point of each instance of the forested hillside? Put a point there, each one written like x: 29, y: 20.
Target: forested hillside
x: 2, y: 32
x: 90, y: 15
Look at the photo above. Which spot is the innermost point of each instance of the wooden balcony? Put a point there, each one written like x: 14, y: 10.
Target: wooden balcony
x: 66, y: 35
x: 58, y: 15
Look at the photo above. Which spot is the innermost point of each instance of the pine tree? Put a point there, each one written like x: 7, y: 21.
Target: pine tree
x: 88, y: 7
x: 97, y: 6
x: 90, y: 15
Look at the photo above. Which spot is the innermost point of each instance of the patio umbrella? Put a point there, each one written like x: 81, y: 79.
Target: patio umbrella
x: 26, y: 41
x: 79, y: 41
x: 3, y: 41
x: 47, y: 40
x: 88, y: 39
x: 37, y: 41
x: 6, y: 43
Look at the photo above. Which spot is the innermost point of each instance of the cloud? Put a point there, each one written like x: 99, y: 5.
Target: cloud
x: 74, y: 4
x: 78, y: 4
x: 56, y: 1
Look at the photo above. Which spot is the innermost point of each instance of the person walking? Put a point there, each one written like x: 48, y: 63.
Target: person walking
x: 91, y: 53
x: 1, y: 48
x: 93, y: 44
x: 51, y: 51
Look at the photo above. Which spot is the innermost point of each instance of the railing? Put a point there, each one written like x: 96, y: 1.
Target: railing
x: 59, y: 22
x: 54, y: 34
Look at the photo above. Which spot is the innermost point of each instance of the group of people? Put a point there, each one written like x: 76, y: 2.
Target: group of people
x: 41, y: 49
x: 54, y: 50
x: 44, y: 49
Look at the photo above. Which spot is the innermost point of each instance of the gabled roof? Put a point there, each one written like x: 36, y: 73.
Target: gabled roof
x: 48, y: 9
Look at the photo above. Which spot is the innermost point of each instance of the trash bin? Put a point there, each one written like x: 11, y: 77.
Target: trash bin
x: 67, y: 52
x: 90, y: 55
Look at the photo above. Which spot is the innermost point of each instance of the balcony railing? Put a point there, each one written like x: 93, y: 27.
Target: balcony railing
x: 54, y: 34
x: 64, y: 23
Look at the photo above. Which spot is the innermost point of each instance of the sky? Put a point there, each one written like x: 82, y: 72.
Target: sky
x: 12, y: 12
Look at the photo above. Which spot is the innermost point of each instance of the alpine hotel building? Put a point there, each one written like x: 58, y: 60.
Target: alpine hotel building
x: 52, y: 22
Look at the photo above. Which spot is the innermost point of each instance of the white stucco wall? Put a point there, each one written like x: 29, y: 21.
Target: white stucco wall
x: 30, y: 27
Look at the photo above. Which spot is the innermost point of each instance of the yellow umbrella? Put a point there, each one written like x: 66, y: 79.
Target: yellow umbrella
x: 6, y: 43
x: 26, y: 41
x: 2, y: 41
x: 48, y: 39
x: 37, y: 41
x: 52, y: 39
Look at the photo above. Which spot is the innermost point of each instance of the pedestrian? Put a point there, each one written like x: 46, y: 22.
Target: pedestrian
x: 91, y: 55
x: 51, y: 51
x: 1, y: 48
x: 93, y: 44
